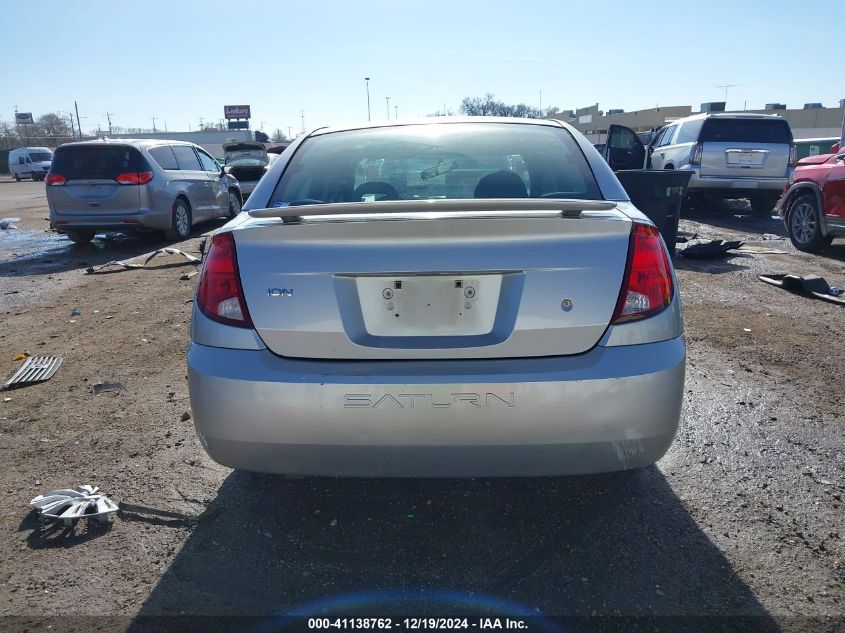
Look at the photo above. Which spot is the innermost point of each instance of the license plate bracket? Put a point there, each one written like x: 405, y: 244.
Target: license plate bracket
x: 429, y: 305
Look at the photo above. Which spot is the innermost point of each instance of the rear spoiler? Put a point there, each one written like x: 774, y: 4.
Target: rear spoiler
x: 293, y: 213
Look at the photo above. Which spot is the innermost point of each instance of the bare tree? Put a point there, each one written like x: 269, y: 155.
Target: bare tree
x: 488, y: 106
x: 279, y: 137
x: 53, y: 124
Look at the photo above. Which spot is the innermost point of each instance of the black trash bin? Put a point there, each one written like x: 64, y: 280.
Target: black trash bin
x: 659, y: 194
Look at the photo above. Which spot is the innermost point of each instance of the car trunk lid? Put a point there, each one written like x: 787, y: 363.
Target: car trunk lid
x: 433, y: 287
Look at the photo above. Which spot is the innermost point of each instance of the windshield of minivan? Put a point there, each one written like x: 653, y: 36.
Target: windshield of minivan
x: 38, y: 157
x: 451, y: 161
x: 746, y: 131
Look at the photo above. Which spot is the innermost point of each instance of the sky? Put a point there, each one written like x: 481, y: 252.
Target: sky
x: 181, y: 61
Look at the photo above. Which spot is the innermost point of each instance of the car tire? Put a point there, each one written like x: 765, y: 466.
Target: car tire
x: 17, y: 178
x: 80, y: 236
x: 180, y: 226
x: 804, y: 224
x: 235, y: 204
x: 763, y: 203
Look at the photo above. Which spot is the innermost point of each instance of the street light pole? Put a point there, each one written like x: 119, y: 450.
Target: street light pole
x: 367, y: 82
x: 396, y: 112
x: 387, y: 100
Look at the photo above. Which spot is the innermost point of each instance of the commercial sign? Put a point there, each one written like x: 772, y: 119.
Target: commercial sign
x: 236, y: 112
x: 23, y: 117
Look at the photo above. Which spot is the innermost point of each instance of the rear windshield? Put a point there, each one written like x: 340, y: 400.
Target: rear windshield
x: 96, y: 162
x: 746, y: 131
x: 438, y: 161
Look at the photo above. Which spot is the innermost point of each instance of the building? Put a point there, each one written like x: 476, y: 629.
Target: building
x: 210, y: 141
x: 806, y: 122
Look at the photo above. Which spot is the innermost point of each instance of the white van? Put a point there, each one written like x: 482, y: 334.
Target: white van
x: 30, y: 162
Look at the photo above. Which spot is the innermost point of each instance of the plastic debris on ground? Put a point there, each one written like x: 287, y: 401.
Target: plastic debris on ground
x: 808, y: 285
x: 34, y: 370
x: 100, y: 387
x: 128, y: 264
x: 760, y: 250
x: 69, y: 506
x: 709, y: 249
x: 683, y: 238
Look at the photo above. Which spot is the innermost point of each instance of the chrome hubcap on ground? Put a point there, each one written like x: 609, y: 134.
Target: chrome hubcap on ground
x: 234, y: 204
x: 803, y: 223
x: 182, y: 220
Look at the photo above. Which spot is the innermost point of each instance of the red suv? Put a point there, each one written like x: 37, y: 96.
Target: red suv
x: 813, y: 201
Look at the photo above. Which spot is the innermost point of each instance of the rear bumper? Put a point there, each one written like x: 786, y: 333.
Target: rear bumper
x: 612, y: 408
x: 733, y: 186
x: 113, y: 221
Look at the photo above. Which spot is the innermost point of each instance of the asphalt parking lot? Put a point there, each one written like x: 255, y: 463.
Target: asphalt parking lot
x: 742, y: 520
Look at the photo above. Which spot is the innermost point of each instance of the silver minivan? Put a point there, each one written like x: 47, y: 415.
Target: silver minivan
x: 132, y: 185
x: 730, y: 155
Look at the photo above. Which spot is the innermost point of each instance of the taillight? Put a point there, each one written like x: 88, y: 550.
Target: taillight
x: 695, y: 154
x: 134, y: 177
x: 793, y: 155
x: 54, y: 179
x: 647, y: 285
x: 220, y: 296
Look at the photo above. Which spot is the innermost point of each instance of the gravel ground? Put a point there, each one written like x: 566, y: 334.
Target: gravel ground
x: 743, y: 518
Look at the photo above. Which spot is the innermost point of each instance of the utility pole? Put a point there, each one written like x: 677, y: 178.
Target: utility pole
x: 72, y: 128
x: 367, y: 81
x: 396, y: 112
x: 202, y: 127
x: 78, y: 124
x: 108, y: 118
x: 387, y: 100
x: 303, y: 121
x: 541, y: 102
x: 165, y: 126
x: 154, y: 125
x: 289, y: 138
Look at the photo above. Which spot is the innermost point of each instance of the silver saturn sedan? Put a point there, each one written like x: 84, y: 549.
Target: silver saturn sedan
x: 442, y: 297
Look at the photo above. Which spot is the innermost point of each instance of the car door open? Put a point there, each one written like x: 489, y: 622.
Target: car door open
x: 624, y: 149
